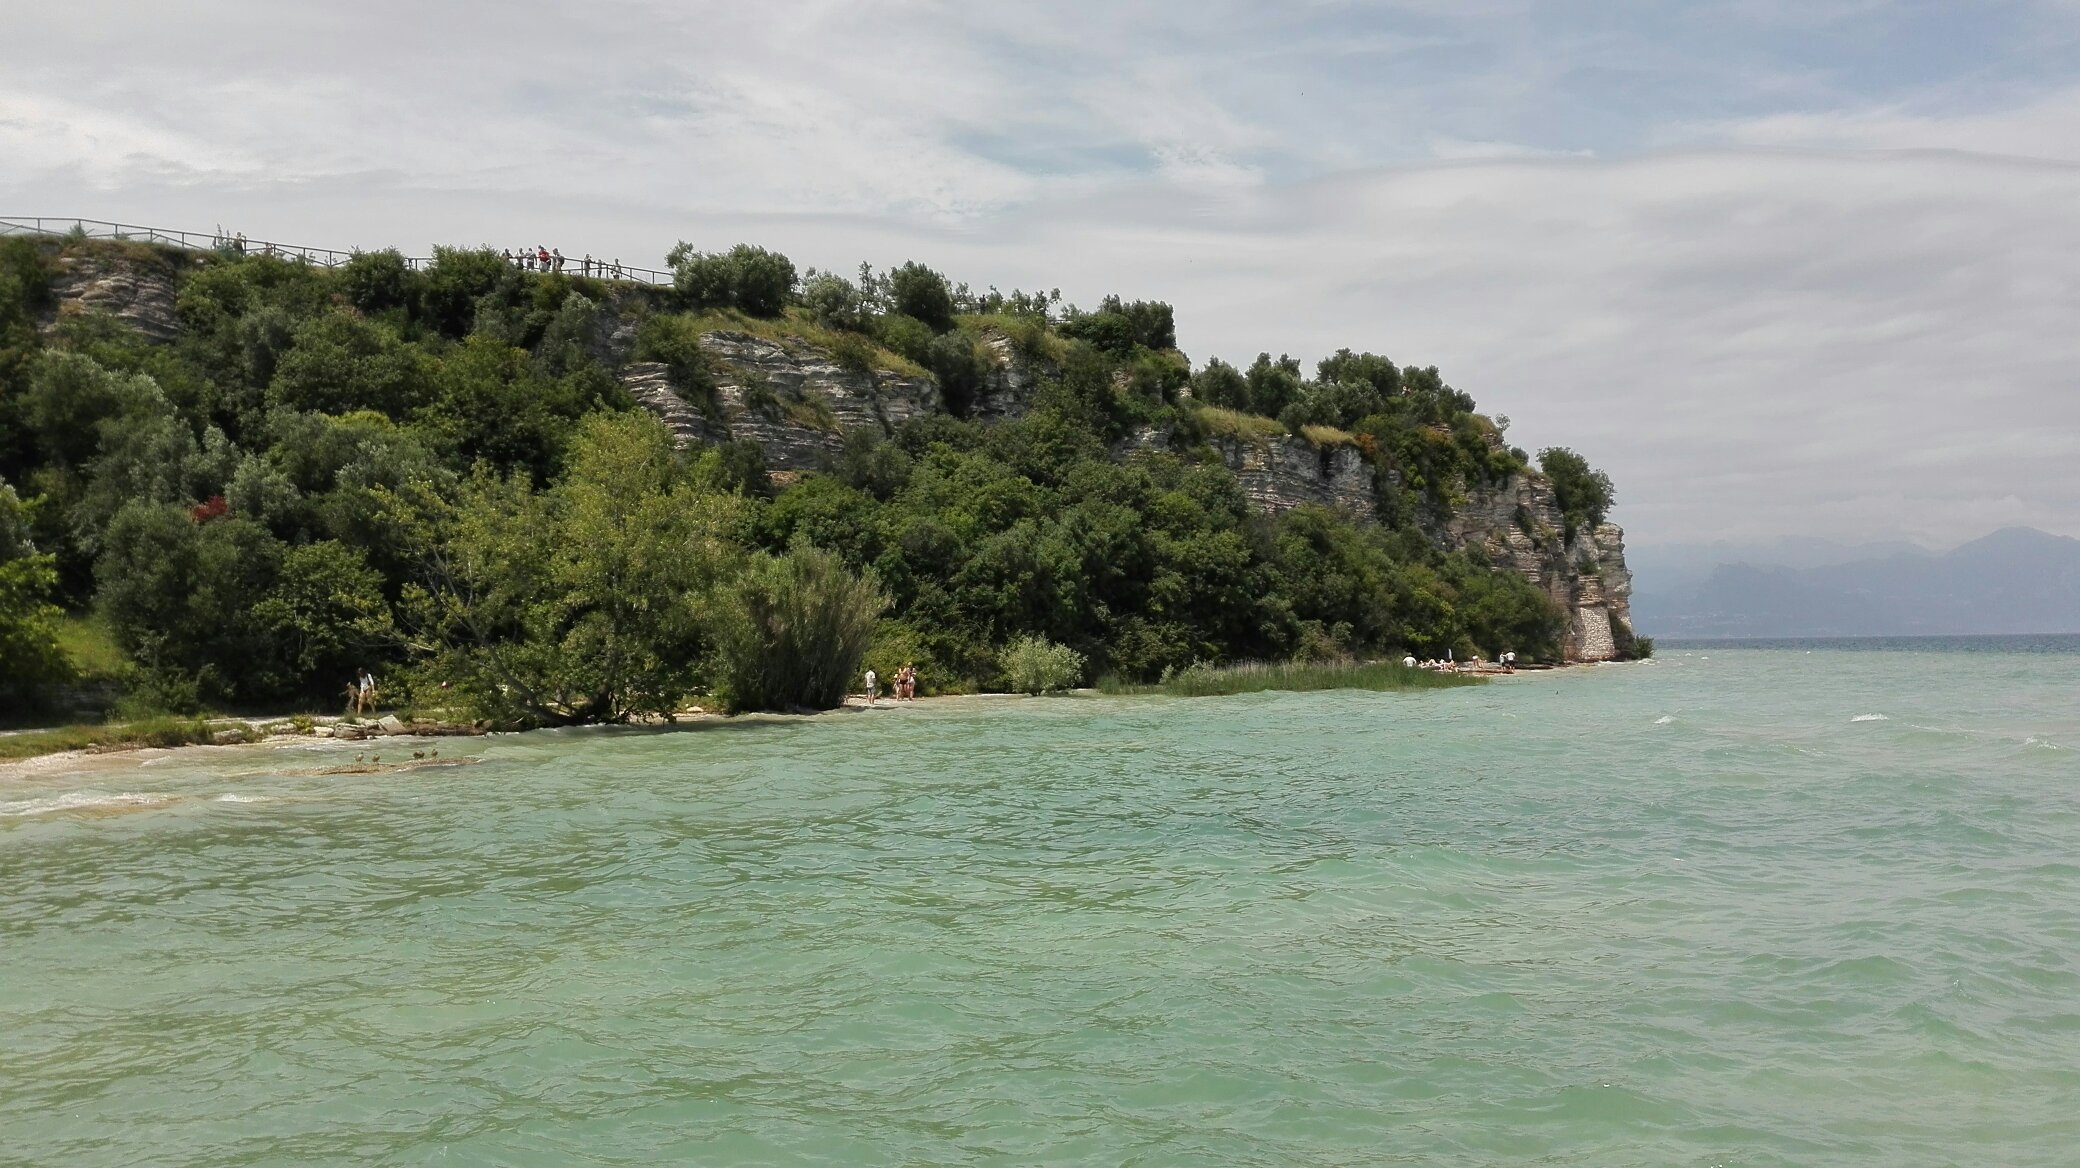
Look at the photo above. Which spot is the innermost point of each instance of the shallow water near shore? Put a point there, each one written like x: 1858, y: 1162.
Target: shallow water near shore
x: 1731, y: 907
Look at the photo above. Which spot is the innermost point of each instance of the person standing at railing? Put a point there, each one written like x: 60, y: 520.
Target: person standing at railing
x: 556, y: 255
x: 587, y: 269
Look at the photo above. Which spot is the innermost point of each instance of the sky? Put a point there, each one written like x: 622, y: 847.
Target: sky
x: 1783, y: 268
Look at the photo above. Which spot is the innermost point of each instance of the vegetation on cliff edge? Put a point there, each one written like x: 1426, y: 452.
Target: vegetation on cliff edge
x: 436, y: 474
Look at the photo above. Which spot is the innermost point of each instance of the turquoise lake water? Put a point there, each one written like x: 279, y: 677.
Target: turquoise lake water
x: 1731, y: 907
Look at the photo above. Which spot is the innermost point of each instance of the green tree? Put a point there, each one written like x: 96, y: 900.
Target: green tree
x: 31, y: 661
x: 835, y: 302
x: 590, y: 601
x: 339, y: 363
x: 918, y: 291
x: 377, y: 281
x: 180, y: 595
x: 325, y: 616
x: 1582, y: 493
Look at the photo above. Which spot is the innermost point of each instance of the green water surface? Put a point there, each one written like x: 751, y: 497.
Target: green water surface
x: 1732, y: 907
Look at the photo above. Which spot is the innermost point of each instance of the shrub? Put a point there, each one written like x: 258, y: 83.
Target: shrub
x: 835, y: 302
x: 375, y: 281
x: 674, y: 341
x: 802, y: 627
x: 1036, y: 665
x: 745, y: 277
x: 906, y: 335
x: 30, y: 657
x: 959, y: 364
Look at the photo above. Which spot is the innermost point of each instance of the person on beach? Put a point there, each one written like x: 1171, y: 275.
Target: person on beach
x: 353, y: 698
x: 368, y: 692
x: 873, y: 687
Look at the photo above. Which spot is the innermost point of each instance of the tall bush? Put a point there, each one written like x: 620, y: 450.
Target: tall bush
x: 803, y: 625
x: 1036, y: 665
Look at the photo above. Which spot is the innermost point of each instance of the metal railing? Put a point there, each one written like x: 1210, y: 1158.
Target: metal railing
x: 325, y: 257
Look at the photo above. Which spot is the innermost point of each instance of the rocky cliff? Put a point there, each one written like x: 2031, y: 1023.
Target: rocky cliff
x: 797, y: 403
x: 1519, y: 525
x: 1516, y: 523
x: 1282, y: 473
x: 137, y: 290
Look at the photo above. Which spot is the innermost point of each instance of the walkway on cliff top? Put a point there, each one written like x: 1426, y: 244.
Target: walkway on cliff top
x: 217, y: 241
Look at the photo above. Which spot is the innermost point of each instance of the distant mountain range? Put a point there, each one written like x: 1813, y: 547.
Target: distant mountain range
x: 2017, y: 580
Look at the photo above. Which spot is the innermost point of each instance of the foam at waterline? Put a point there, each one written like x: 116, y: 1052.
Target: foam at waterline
x: 234, y: 797
x: 1870, y: 718
x: 83, y: 801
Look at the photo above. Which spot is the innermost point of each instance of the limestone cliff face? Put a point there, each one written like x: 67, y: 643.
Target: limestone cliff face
x: 798, y: 404
x: 794, y: 400
x: 137, y: 291
x: 1007, y: 389
x: 1282, y: 473
x: 1519, y: 525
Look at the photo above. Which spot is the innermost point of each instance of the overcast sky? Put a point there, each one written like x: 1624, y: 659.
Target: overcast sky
x: 1783, y: 267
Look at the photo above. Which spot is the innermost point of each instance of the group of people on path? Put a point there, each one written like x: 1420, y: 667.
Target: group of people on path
x: 904, y: 688
x: 547, y: 259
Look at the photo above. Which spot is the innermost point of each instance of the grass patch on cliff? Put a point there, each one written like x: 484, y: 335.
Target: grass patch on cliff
x: 796, y: 326
x: 1028, y: 334
x: 1258, y: 676
x: 1221, y: 422
x: 1325, y: 437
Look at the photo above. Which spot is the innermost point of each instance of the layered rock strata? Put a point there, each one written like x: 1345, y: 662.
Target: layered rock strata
x: 1279, y: 474
x: 1518, y: 524
x: 797, y: 402
x: 137, y: 291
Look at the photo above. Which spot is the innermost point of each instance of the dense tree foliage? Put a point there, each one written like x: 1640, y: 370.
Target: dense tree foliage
x: 435, y: 472
x: 1583, y: 493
